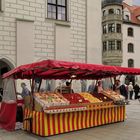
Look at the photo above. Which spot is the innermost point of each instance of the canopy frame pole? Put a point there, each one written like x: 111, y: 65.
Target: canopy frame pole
x: 40, y: 82
x: 15, y: 88
x: 32, y: 91
x: 112, y: 82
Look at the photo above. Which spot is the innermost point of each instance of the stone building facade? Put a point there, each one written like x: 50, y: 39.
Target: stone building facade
x: 127, y: 16
x: 33, y: 30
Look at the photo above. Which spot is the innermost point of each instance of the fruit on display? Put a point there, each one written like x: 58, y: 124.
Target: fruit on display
x: 50, y: 99
x: 102, y: 97
x: 114, y: 95
x: 75, y: 98
x: 90, y: 98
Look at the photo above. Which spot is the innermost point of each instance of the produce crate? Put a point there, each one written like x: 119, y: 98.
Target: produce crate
x: 117, y: 99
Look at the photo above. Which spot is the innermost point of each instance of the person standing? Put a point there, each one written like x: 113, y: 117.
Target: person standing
x: 26, y: 96
x: 99, y: 87
x: 124, y: 91
x: 130, y: 90
x: 136, y: 90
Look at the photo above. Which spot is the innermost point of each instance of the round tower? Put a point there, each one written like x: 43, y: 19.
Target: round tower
x: 112, y: 21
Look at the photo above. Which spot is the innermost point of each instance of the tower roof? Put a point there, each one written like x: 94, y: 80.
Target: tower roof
x: 110, y: 2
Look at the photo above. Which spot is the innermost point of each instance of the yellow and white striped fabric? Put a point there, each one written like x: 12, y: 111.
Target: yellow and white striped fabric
x: 50, y: 124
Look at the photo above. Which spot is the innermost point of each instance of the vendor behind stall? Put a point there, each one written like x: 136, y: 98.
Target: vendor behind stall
x: 98, y: 88
x: 65, y: 88
x: 26, y: 95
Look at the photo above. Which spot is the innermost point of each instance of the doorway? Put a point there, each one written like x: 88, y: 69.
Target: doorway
x: 5, y: 66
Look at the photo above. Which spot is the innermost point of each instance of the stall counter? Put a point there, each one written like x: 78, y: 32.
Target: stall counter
x: 43, y: 124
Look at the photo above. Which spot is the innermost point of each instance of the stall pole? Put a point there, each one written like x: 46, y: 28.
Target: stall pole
x: 39, y: 85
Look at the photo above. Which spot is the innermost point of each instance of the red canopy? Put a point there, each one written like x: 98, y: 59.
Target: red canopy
x: 53, y: 69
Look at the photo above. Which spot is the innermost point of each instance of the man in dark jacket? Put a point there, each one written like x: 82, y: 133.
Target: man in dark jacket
x: 124, y: 91
x: 136, y: 90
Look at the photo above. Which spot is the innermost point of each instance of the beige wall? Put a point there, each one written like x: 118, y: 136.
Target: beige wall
x: 136, y: 41
x: 94, y: 31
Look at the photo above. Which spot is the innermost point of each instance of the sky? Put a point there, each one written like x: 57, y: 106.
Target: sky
x: 136, y: 2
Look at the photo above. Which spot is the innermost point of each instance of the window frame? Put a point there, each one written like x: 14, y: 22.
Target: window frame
x: 127, y: 17
x: 111, y: 28
x: 118, y: 12
x: 130, y: 63
x: 104, y: 46
x: 105, y: 29
x: 130, y: 32
x: 0, y: 5
x: 118, y: 28
x: 111, y: 11
x: 104, y: 13
x: 56, y: 7
x: 130, y: 48
x: 119, y: 45
x: 111, y: 45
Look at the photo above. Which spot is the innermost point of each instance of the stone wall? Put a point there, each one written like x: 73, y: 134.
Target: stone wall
x: 44, y: 28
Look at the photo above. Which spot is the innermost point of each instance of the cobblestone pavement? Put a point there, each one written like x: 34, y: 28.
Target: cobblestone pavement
x: 128, y: 130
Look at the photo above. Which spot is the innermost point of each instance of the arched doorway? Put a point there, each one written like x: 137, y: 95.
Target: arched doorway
x: 5, y: 66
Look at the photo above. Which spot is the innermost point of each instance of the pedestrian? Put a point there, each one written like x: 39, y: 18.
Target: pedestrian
x: 136, y: 90
x: 130, y: 90
x: 124, y: 91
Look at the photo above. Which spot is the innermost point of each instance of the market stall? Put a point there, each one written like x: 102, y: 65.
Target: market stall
x: 55, y: 113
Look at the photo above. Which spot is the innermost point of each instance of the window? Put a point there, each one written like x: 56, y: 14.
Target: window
x: 118, y: 11
x: 130, y: 48
x: 104, y: 29
x: 104, y: 12
x: 104, y: 46
x: 130, y: 63
x: 119, y: 45
x: 130, y: 32
x: 126, y: 17
x: 111, y: 11
x: 118, y: 28
x: 111, y: 27
x: 111, y: 45
x: 57, y: 9
x: 0, y: 5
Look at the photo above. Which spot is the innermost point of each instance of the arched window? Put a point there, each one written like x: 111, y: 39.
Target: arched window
x: 104, y: 13
x: 130, y: 63
x: 118, y: 11
x: 126, y: 17
x: 130, y: 32
x: 130, y: 48
x: 111, y: 11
